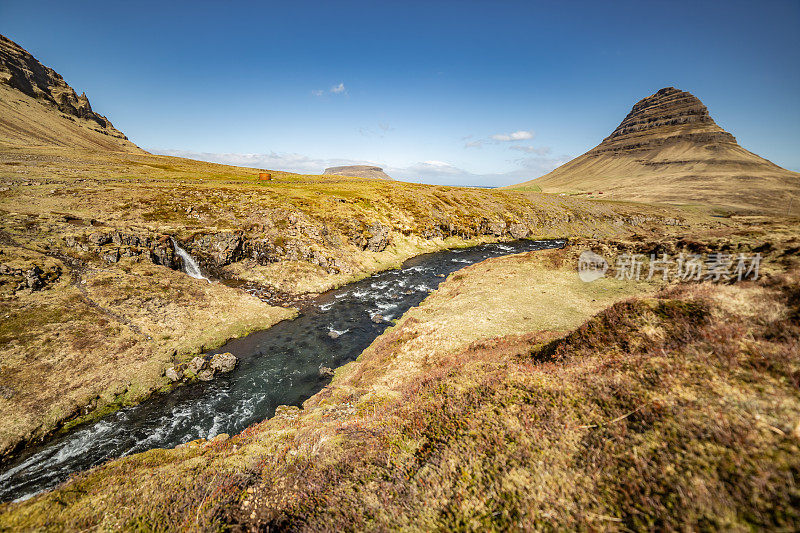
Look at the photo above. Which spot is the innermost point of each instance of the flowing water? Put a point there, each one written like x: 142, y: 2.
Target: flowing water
x: 190, y: 266
x: 277, y: 366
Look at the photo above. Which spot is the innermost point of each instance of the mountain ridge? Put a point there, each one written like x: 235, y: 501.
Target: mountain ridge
x: 39, y: 108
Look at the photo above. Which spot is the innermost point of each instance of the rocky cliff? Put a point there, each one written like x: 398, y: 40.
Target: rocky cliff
x: 669, y: 149
x: 40, y: 108
x: 669, y: 116
x: 358, y: 171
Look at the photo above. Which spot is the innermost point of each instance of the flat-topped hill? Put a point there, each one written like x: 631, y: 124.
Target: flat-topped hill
x: 359, y: 171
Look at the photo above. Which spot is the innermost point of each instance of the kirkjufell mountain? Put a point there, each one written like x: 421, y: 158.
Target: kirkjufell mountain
x: 669, y: 149
x: 39, y: 108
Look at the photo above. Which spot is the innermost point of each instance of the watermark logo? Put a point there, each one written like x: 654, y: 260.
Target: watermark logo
x: 591, y: 266
x: 715, y: 266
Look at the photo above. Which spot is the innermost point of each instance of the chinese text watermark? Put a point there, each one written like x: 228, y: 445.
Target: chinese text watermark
x: 716, y: 266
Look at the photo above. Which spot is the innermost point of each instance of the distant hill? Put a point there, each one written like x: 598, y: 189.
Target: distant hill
x: 38, y: 108
x: 669, y: 149
x: 359, y: 171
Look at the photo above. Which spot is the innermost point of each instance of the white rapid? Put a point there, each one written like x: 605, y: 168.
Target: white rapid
x: 277, y: 366
x: 190, y: 266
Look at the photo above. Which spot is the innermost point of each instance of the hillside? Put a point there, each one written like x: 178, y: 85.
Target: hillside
x: 39, y: 108
x: 669, y: 150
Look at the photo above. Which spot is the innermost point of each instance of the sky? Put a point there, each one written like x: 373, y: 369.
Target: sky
x: 460, y: 93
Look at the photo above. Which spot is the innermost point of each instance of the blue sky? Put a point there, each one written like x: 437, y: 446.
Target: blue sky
x: 463, y: 92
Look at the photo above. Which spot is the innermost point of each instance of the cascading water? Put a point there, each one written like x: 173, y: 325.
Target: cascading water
x: 190, y: 266
x: 280, y: 365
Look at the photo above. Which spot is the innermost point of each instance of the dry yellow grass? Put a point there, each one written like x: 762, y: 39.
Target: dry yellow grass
x: 54, y: 201
x: 669, y: 150
x: 666, y: 411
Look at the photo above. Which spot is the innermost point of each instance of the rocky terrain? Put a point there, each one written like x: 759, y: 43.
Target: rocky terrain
x: 95, y: 306
x: 37, y: 107
x: 669, y: 149
x: 515, y: 396
x: 92, y: 291
x: 358, y: 171
x: 626, y: 405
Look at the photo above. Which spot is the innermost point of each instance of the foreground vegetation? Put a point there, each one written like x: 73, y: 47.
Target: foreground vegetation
x: 557, y: 404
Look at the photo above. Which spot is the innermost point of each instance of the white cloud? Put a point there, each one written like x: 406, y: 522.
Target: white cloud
x: 544, y: 150
x: 520, y: 135
x: 336, y: 89
x: 474, y: 144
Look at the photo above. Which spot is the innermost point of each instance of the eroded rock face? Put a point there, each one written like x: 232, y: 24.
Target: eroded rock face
x: 22, y: 71
x: 669, y: 115
x: 379, y: 237
x: 33, y: 278
x: 222, y: 248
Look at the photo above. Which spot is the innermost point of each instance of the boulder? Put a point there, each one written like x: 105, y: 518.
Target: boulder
x: 33, y: 278
x: 326, y: 372
x: 497, y: 228
x: 174, y: 374
x: 205, y: 375
x: 196, y: 365
x: 223, y: 362
x: 518, y: 231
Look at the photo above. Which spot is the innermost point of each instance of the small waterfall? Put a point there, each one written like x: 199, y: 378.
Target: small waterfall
x: 190, y: 266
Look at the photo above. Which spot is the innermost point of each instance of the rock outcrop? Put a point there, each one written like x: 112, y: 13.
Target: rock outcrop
x: 202, y: 368
x: 669, y: 116
x: 358, y: 171
x: 669, y: 149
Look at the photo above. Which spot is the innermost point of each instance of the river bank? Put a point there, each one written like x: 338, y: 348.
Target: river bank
x: 95, y: 308
x: 283, y: 365
x: 413, y: 401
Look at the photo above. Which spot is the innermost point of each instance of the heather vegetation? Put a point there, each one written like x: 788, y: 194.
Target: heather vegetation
x: 666, y: 406
x: 93, y: 300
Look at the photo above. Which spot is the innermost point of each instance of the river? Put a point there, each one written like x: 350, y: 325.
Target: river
x: 277, y: 366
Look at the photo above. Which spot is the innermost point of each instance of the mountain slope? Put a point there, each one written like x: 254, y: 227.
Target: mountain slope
x: 38, y: 108
x: 669, y: 149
